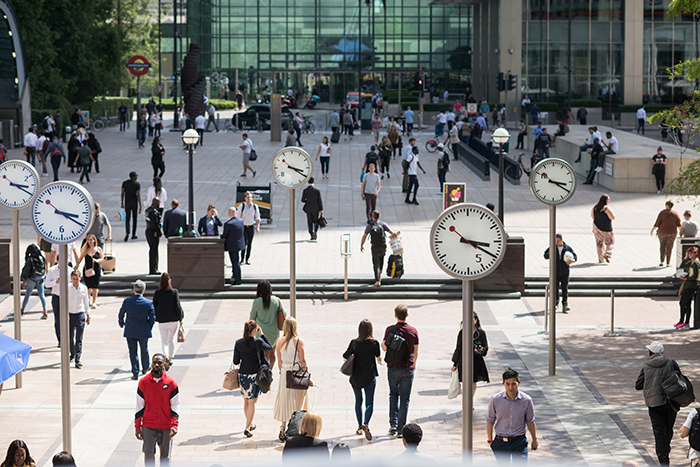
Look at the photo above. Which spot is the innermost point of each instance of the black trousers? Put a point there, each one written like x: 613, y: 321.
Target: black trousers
x: 248, y: 234
x: 131, y: 212
x: 662, y: 420
x: 153, y: 239
x: 312, y: 222
x: 660, y: 174
x: 686, y: 300
x: 159, y: 166
x: 55, y: 164
x: 563, y: 282
x: 378, y: 252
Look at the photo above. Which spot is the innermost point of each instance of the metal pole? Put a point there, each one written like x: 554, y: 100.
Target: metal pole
x: 346, y: 279
x: 467, y: 367
x: 65, y: 348
x: 16, y: 285
x: 190, y: 227
x: 546, y: 309
x: 399, y: 93
x: 500, y: 182
x: 612, y: 332
x: 292, y: 254
x: 552, y: 290
x: 160, y: 75
x: 138, y: 104
x: 569, y: 58
x: 175, y: 63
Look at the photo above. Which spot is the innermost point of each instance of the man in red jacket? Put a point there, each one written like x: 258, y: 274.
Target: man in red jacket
x: 157, y: 407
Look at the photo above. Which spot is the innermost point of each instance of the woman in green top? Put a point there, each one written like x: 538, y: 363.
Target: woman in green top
x: 690, y: 284
x: 264, y: 312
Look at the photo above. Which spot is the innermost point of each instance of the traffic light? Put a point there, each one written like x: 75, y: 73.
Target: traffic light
x: 500, y: 82
x: 512, y: 81
x: 417, y: 84
x: 426, y: 84
x: 421, y: 85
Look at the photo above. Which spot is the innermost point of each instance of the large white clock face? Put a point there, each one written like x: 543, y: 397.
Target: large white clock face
x: 19, y: 183
x: 292, y: 167
x: 62, y: 212
x: 553, y: 181
x: 467, y: 241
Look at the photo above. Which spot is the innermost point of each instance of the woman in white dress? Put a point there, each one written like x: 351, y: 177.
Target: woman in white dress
x: 289, y: 348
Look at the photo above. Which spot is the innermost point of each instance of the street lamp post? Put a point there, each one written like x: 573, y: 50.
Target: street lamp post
x: 501, y: 137
x: 190, y: 137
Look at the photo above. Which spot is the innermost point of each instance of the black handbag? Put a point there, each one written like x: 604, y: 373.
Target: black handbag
x: 253, y: 155
x: 322, y: 222
x: 298, y: 377
x: 264, y: 377
x: 349, y: 364
x: 678, y: 388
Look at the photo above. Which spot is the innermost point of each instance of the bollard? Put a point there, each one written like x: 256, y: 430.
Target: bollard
x: 546, y: 310
x: 612, y: 332
x: 345, y: 252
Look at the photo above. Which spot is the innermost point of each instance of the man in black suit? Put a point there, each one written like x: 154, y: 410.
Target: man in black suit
x: 233, y: 234
x: 313, y: 207
x: 562, y: 270
x: 174, y: 219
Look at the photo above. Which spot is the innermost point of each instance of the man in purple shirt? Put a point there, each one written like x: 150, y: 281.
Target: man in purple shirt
x: 510, y: 412
x: 401, y: 378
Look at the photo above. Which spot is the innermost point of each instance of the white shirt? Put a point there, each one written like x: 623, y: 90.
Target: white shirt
x: 412, y: 164
x: 248, y: 146
x: 436, y: 99
x: 614, y: 145
x: 200, y: 122
x: 212, y: 109
x: 151, y: 195
x: 442, y: 118
x: 446, y: 94
x: 40, y: 142
x: 71, y: 248
x: 50, y: 123
x: 459, y: 124
x: 250, y: 213
x: 51, y: 278
x: 30, y: 140
x: 183, y: 122
x: 450, y: 116
x: 324, y: 150
x: 641, y: 113
x: 406, y: 152
x: 525, y: 101
x: 596, y: 134
x: 78, y: 299
x: 692, y: 453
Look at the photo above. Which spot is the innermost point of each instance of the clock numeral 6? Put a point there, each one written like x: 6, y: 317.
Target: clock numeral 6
x: 61, y: 229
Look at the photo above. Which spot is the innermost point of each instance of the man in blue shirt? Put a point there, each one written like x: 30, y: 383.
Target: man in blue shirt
x: 408, y: 116
x: 137, y: 317
x: 535, y: 114
x: 509, y: 413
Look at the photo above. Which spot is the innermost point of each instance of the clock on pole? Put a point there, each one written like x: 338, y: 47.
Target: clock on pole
x: 63, y: 212
x: 468, y: 242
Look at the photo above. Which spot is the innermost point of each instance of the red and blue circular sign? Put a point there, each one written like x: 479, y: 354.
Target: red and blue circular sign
x: 138, y: 65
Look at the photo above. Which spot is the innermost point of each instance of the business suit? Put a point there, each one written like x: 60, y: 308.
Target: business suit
x: 313, y: 204
x: 234, y: 243
x: 202, y: 226
x: 173, y: 219
x: 562, y: 274
x: 137, y: 317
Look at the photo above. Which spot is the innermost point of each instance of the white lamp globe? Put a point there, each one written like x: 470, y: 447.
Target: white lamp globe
x: 501, y: 136
x: 190, y: 136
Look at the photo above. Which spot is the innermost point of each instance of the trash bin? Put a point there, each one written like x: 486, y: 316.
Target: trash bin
x: 67, y: 132
x: 262, y: 196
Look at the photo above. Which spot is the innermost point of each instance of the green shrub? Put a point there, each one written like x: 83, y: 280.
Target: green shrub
x: 592, y: 103
x: 169, y: 104
x: 412, y: 104
x: 107, y: 104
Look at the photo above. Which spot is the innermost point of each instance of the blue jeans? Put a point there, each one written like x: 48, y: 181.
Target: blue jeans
x: 142, y: 137
x: 145, y: 361
x: 400, y: 382
x: 504, y: 452
x: 369, y: 402
x: 32, y: 283
x: 466, y: 139
x: 75, y: 336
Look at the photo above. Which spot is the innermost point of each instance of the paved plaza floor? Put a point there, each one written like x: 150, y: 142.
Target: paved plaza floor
x: 589, y: 413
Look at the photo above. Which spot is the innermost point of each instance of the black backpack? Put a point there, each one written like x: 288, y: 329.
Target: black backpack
x: 45, y: 123
x: 445, y: 160
x: 694, y: 435
x: 376, y: 235
x: 396, y: 349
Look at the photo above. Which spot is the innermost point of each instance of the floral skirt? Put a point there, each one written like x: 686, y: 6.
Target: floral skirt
x: 249, y: 387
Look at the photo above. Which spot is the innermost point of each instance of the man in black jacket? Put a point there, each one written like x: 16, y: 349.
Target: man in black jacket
x: 153, y: 234
x: 563, y: 264
x: 234, y: 243
x: 174, y: 219
x: 313, y: 207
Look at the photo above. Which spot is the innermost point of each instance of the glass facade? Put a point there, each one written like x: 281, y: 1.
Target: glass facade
x: 307, y: 44
x: 666, y: 42
x: 597, y: 32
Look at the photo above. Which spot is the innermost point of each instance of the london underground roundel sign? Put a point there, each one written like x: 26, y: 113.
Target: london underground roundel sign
x: 138, y: 65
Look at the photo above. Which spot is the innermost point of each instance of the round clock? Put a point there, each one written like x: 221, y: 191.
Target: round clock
x: 553, y: 181
x: 63, y: 212
x: 292, y: 167
x: 19, y: 183
x: 468, y: 241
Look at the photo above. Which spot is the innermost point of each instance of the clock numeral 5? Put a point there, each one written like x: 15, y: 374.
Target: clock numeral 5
x: 478, y: 258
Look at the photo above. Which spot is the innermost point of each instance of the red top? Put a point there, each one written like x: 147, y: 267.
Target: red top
x: 157, y: 403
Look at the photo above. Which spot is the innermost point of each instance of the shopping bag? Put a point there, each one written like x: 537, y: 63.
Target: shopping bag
x: 231, y: 379
x: 454, y: 389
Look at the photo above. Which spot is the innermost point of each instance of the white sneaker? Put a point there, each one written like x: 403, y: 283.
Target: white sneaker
x: 598, y: 169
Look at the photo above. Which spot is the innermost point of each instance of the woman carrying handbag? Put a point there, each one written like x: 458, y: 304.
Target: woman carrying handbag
x: 169, y: 316
x: 481, y: 348
x: 365, y: 353
x: 265, y: 311
x: 246, y: 352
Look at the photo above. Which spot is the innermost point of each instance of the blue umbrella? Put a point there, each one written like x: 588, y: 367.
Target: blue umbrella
x: 14, y: 357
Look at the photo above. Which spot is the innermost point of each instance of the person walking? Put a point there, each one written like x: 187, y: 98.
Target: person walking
x: 200, y: 123
x: 247, y: 352
x: 386, y: 149
x: 247, y: 148
x: 83, y: 162
x: 509, y: 414
x: 400, y: 376
x: 443, y: 164
x: 92, y: 272
x: 53, y: 279
x: 334, y: 121
x: 408, y: 118
x: 405, y: 153
x: 662, y: 411
x: 211, y: 110
x: 366, y: 354
x: 153, y: 234
x: 122, y: 117
x: 297, y: 124
x: 602, y: 217
x: 641, y: 119
x: 376, y: 127
x: 582, y: 115
x: 209, y: 225
x: 97, y: 229
x: 157, y: 191
x: 169, y: 316
x: 563, y: 263
x: 95, y: 150
x: 371, y: 186
x: 324, y: 152
x: 33, y: 276
x: 376, y: 230
x: 250, y: 213
x: 30, y: 140
x: 234, y: 242
x: 535, y: 113
x: 174, y: 220
x: 42, y: 143
x: 689, y: 228
x: 57, y: 153
x: 667, y: 223
x: 371, y: 158
x: 142, y: 128
x: 131, y: 200
x: 290, y: 352
x: 137, y: 316
x: 313, y: 207
x: 481, y: 348
x: 265, y: 311
x: 79, y: 316
x: 73, y: 146
x: 157, y: 154
x: 394, y: 139
x: 689, y: 286
x: 412, y: 171
x: 157, y: 412
x: 659, y: 169
x: 348, y: 125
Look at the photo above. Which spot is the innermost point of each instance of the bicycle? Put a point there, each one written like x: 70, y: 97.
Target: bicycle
x: 99, y: 124
x: 308, y: 126
x: 432, y: 144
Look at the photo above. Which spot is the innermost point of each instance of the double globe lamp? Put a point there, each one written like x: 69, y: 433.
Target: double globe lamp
x: 190, y: 137
x: 501, y: 137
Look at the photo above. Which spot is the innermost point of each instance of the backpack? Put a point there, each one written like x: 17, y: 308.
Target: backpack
x: 396, y: 349
x: 394, y: 267
x: 446, y: 160
x: 3, y: 153
x: 376, y: 235
x: 694, y: 435
x: 45, y: 123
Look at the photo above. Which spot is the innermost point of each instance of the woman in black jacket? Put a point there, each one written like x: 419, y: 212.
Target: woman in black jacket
x: 33, y: 275
x: 248, y: 351
x: 169, y: 315
x: 364, y: 373
x: 306, y: 443
x: 73, y: 146
x: 96, y: 149
x: 157, y: 153
x: 481, y: 348
x: 153, y: 234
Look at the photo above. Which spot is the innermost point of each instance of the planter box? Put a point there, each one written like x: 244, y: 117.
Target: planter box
x: 196, y: 263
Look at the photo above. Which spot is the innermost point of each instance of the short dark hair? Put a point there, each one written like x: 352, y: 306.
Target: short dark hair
x: 510, y: 373
x: 608, y: 134
x: 311, y: 180
x: 412, y: 434
x: 490, y: 206
x: 63, y: 458
x: 375, y: 215
x: 401, y: 311
x: 559, y: 236
x: 373, y: 148
x: 133, y: 175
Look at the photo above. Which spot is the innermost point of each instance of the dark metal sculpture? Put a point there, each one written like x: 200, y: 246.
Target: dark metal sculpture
x: 193, y: 83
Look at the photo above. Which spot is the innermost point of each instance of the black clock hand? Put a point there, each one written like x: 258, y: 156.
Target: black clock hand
x: 299, y: 171
x: 17, y: 185
x: 473, y: 242
x: 560, y: 185
x: 67, y: 215
x: 487, y: 252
